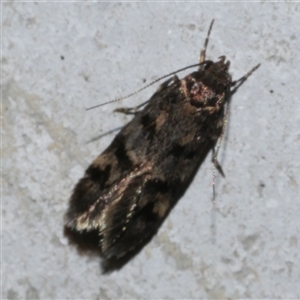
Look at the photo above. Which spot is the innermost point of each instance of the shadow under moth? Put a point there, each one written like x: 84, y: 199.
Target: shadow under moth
x: 129, y: 189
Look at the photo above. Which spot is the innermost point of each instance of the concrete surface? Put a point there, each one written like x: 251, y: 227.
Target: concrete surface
x: 59, y: 58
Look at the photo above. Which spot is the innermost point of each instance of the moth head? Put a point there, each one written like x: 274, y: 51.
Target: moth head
x: 216, y: 74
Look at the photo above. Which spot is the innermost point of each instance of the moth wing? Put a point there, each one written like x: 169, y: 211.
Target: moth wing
x: 90, y: 195
x: 125, y: 212
x: 134, y: 216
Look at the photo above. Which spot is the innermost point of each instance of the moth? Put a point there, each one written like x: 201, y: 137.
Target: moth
x: 129, y: 189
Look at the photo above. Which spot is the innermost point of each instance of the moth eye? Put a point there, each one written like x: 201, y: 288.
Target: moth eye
x: 208, y: 64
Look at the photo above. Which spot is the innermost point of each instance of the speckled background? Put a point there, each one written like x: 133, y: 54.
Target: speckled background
x: 59, y: 58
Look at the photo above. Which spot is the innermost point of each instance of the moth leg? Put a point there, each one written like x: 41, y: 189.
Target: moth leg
x: 218, y: 167
x: 203, y: 51
x: 130, y: 110
x: 216, y: 163
x: 167, y: 82
x: 239, y: 82
x: 134, y: 110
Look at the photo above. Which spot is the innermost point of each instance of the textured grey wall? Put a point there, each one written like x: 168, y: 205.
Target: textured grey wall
x: 59, y: 58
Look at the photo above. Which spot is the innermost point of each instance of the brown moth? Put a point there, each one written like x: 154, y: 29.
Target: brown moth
x: 128, y: 190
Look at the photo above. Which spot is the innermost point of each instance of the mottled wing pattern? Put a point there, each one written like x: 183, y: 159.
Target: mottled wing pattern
x: 128, y: 190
